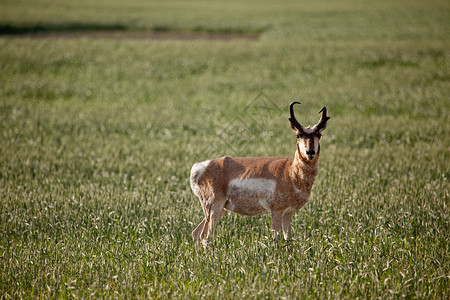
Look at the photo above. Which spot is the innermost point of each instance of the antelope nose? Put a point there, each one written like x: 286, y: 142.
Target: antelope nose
x: 311, y: 152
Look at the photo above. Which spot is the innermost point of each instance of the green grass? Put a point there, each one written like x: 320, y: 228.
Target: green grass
x: 97, y: 137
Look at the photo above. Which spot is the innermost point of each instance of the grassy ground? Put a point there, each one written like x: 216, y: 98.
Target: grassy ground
x: 98, y: 137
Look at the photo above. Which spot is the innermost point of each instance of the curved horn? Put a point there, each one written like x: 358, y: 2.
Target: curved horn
x: 292, y: 118
x: 323, y: 120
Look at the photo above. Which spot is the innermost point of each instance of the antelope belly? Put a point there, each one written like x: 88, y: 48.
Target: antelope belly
x: 250, y: 196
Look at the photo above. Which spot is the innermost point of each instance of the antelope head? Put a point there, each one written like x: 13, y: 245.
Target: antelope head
x: 308, y: 137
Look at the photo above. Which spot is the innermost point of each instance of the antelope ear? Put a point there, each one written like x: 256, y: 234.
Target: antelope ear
x: 320, y: 128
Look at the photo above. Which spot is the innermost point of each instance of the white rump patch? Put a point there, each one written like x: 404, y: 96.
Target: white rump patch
x: 261, y: 190
x: 196, y: 172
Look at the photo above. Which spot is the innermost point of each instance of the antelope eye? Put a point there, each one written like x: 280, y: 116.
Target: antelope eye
x: 319, y: 135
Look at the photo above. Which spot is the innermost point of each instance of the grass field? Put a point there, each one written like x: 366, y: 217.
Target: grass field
x: 97, y: 138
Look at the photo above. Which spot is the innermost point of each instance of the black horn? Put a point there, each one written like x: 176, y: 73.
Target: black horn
x: 292, y: 118
x: 323, y: 120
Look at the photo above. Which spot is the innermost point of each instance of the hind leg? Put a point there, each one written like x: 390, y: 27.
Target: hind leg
x: 215, y: 212
x: 201, y: 232
x: 197, y: 233
x: 214, y: 220
x: 198, y: 230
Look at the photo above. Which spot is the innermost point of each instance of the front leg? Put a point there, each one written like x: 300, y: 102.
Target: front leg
x: 287, y: 216
x: 276, y: 224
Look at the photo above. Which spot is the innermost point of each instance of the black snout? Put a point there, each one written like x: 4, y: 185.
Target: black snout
x: 310, y: 152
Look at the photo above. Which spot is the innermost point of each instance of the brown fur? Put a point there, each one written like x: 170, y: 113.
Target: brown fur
x: 292, y: 181
x: 287, y: 173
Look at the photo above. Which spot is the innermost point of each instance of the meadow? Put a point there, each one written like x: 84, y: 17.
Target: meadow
x: 98, y: 135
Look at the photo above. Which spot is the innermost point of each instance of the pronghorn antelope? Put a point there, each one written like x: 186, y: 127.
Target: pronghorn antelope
x: 259, y: 185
